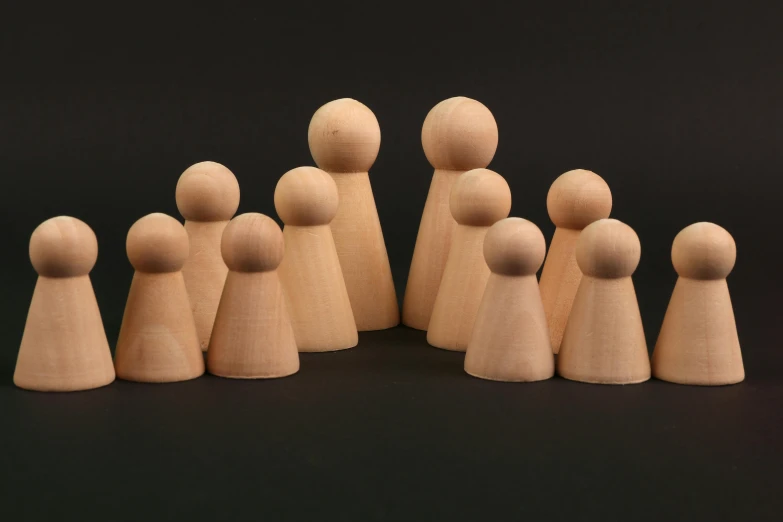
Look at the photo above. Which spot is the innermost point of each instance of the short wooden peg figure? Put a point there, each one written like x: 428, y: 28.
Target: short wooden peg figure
x: 459, y: 134
x: 158, y: 340
x: 576, y: 199
x: 252, y: 337
x: 478, y: 200
x: 306, y: 200
x: 207, y: 197
x: 698, y: 342
x: 603, y: 342
x: 64, y: 346
x: 344, y: 139
x: 510, y: 340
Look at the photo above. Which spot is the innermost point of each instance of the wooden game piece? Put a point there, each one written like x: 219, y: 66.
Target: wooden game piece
x: 158, y: 340
x: 576, y: 199
x: 207, y: 197
x: 306, y: 200
x: 252, y: 337
x: 64, y: 346
x: 479, y: 198
x: 459, y: 134
x: 698, y: 342
x: 510, y: 340
x: 344, y: 139
x: 604, y: 341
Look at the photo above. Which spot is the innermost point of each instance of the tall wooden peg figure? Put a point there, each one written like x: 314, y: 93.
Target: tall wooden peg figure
x: 479, y: 199
x: 252, y: 337
x: 207, y: 197
x: 459, y: 134
x: 698, y: 342
x: 510, y: 340
x: 158, y: 340
x: 603, y: 342
x: 576, y: 199
x: 64, y: 346
x: 344, y: 139
x: 306, y: 200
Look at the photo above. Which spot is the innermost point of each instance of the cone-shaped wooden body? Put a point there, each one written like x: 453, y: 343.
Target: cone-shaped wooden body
x: 478, y: 199
x: 207, y: 197
x: 317, y: 300
x: 510, y: 340
x: 64, y: 346
x: 576, y: 199
x: 459, y: 134
x: 698, y: 342
x: 158, y: 340
x: 252, y: 337
x: 604, y: 340
x: 344, y: 139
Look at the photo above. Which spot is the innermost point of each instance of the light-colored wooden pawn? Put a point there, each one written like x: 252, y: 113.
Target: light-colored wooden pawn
x: 604, y: 341
x: 158, y: 340
x: 207, y: 197
x: 510, y: 340
x: 576, y: 199
x: 698, y: 342
x: 64, y: 346
x: 252, y: 337
x: 479, y: 199
x: 344, y: 139
x: 459, y: 134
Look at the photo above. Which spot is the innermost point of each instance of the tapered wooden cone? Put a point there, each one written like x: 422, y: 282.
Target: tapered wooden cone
x: 698, y: 342
x: 64, y: 346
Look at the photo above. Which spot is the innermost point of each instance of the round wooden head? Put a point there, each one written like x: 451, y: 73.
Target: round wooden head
x: 344, y: 136
x: 578, y: 198
x: 480, y: 197
x: 63, y: 247
x: 608, y: 249
x: 306, y: 196
x: 252, y: 242
x: 515, y: 247
x: 704, y: 251
x: 459, y: 134
x: 157, y: 243
x: 207, y: 191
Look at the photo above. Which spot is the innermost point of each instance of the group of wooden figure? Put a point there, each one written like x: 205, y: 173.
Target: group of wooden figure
x: 253, y: 296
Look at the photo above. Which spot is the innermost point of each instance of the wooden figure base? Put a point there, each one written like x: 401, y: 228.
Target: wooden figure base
x: 559, y: 282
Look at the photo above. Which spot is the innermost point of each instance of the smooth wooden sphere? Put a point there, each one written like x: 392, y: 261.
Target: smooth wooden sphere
x: 459, y: 134
x: 608, y: 249
x: 480, y: 197
x: 252, y: 242
x: 515, y: 247
x: 63, y: 246
x: 207, y: 191
x: 157, y: 243
x: 577, y: 198
x: 344, y: 136
x: 704, y: 251
x: 306, y: 196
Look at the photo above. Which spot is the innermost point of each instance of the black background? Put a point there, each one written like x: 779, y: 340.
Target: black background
x: 676, y: 104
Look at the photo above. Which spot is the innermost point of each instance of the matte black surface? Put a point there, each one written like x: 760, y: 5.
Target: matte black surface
x: 676, y: 104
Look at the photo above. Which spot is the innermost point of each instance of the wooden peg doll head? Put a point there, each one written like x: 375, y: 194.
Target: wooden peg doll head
x: 63, y: 247
x: 704, y: 251
x: 608, y: 249
x: 207, y: 191
x: 514, y: 247
x: 578, y: 198
x: 306, y: 196
x: 252, y: 243
x: 344, y: 136
x: 480, y: 198
x: 157, y: 243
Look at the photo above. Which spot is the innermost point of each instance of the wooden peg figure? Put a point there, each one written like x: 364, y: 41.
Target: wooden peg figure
x: 698, y: 342
x: 252, y: 337
x: 158, y: 340
x: 64, y: 346
x: 207, y: 197
x: 459, y: 134
x: 479, y: 199
x: 576, y: 199
x: 604, y: 341
x: 510, y: 340
x: 344, y: 139
x: 306, y: 200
